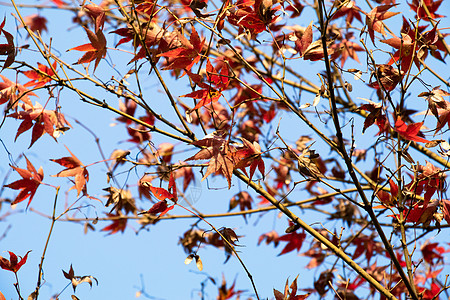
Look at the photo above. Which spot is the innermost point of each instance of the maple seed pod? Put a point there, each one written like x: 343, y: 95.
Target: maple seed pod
x: 198, y: 262
x: 189, y: 259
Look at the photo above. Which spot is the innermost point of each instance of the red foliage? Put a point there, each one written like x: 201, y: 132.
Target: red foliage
x: 36, y: 23
x: 12, y: 92
x: 289, y: 295
x: 431, y: 5
x: 220, y: 154
x: 95, y: 50
x: 119, y: 223
x: 163, y: 194
x: 375, y: 18
x: 7, y: 49
x: 13, y: 264
x: 250, y: 156
x: 45, y: 121
x: 74, y: 168
x: 185, y: 56
x: 410, y: 132
x: 295, y: 241
x: 41, y: 77
x: 31, y: 179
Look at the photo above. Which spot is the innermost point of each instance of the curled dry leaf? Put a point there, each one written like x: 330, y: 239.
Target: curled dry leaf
x: 76, y: 280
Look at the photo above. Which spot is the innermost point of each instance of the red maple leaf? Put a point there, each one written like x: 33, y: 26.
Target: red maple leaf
x: 7, y: 49
x: 250, y: 156
x: 243, y: 199
x: 430, y: 294
x: 432, y: 5
x: 119, y: 223
x: 39, y: 79
x: 421, y: 214
x: 386, y: 198
x: 409, y: 132
x: 95, y: 50
x: 97, y: 13
x: 444, y: 117
x: 406, y: 50
x: 36, y: 23
x: 220, y: 153
x: 366, y: 244
x: 295, y: 241
x: 414, y: 45
x: 12, y: 92
x: 432, y: 253
x: 254, y: 16
x: 31, y: 179
x: 305, y: 46
x: 163, y: 194
x: 75, y: 168
x: 386, y: 77
x: 350, y: 10
x: 228, y: 292
x: 269, y: 237
x: 292, y: 295
x: 185, y: 56
x: 430, y: 179
x: 374, y: 19
x: 45, y: 121
x: 208, y: 93
x: 13, y: 264
x: 346, y: 48
x: 446, y: 210
x: 436, y: 103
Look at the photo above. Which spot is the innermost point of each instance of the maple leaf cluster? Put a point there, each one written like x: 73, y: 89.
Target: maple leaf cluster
x: 224, y: 157
x: 211, y: 91
x: 41, y: 120
x: 253, y: 16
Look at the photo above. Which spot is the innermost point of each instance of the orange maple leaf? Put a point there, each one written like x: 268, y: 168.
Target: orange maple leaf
x: 75, y: 168
x: 39, y: 79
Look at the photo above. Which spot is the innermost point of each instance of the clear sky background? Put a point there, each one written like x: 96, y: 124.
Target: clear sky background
x: 124, y: 263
